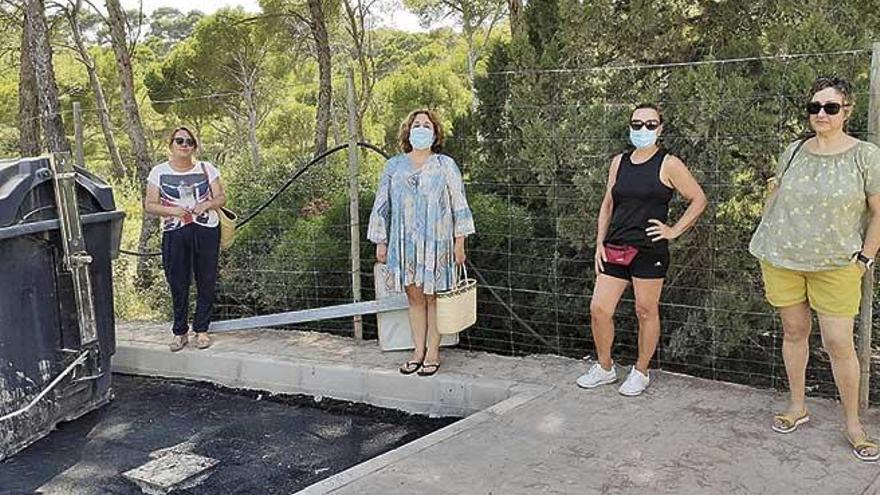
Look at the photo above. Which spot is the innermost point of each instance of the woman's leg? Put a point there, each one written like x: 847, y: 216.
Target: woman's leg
x: 205, y: 257
x: 603, y: 304
x: 177, y: 265
x: 647, y: 292
x: 433, y: 339
x: 837, y: 338
x: 796, y: 328
x: 417, y: 320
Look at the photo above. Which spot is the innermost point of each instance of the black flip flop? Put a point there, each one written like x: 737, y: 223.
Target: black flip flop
x: 410, y: 367
x: 434, y: 367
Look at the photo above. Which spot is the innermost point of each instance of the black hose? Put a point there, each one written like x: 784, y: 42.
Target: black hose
x: 298, y: 173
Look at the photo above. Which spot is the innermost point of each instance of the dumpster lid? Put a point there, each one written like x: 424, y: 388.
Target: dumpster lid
x: 18, y: 177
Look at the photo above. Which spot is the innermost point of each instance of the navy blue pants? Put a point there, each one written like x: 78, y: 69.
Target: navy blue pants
x: 190, y: 251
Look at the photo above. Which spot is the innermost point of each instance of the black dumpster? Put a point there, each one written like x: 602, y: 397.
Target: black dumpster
x: 47, y: 374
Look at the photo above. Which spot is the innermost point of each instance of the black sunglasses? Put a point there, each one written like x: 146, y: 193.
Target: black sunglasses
x: 184, y: 141
x: 651, y: 125
x: 814, y: 107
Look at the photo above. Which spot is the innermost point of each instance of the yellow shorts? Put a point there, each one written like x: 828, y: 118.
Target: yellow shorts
x: 834, y: 292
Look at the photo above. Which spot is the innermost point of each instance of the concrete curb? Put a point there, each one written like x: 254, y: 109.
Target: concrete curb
x: 446, y: 394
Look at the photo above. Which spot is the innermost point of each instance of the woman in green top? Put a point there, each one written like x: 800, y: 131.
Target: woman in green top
x: 819, y: 234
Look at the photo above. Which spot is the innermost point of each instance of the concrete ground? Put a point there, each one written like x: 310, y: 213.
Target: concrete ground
x: 684, y: 435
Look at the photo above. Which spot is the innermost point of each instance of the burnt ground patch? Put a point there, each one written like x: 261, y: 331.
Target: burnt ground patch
x: 265, y: 443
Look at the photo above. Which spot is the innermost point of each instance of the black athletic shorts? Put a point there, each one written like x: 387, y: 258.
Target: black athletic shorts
x: 647, y: 264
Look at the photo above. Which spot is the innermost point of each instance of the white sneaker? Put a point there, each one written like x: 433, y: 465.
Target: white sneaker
x: 635, y: 383
x: 597, y: 375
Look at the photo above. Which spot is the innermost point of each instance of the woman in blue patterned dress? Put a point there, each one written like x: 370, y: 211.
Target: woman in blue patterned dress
x: 419, y: 222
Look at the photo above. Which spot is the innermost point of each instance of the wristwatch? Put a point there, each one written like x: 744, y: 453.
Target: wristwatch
x: 861, y: 258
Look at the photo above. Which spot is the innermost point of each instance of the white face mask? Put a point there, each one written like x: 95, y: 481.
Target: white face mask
x: 421, y: 138
x: 642, y: 138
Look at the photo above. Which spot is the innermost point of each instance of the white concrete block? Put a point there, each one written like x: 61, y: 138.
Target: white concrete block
x: 171, y: 472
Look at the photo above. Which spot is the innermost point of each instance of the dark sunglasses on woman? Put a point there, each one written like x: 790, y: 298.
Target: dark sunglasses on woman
x: 831, y: 108
x: 651, y: 125
x: 184, y: 141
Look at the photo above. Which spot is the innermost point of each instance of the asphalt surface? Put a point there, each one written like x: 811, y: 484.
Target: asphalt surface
x: 265, y: 444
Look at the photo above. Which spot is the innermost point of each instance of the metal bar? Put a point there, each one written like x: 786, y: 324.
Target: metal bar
x: 29, y: 228
x: 353, y: 206
x: 76, y: 258
x: 315, y: 314
x: 866, y: 311
x: 510, y: 310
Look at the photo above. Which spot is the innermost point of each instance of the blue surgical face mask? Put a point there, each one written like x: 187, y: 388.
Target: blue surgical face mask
x: 421, y: 138
x: 642, y: 138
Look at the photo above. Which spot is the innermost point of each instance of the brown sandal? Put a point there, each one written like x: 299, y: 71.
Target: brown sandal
x: 178, y: 343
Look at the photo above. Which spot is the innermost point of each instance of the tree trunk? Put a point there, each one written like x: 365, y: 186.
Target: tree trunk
x: 472, y: 67
x: 100, y: 101
x: 514, y: 8
x: 44, y: 73
x: 357, y: 14
x: 149, y: 226
x: 119, y: 170
x: 252, y: 121
x: 28, y: 99
x: 322, y: 48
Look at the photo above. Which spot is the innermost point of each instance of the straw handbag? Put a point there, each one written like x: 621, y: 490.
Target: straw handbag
x: 227, y: 217
x: 227, y: 227
x: 457, y: 308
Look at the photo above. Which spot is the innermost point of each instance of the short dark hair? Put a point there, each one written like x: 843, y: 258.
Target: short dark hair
x: 403, y: 133
x: 839, y: 84
x: 650, y: 106
x: 186, y: 130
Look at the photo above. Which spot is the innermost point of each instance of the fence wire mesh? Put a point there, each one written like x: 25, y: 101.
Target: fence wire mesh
x: 535, y: 158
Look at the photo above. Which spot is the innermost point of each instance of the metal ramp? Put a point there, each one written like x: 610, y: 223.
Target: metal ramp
x: 390, y: 308
x: 393, y: 303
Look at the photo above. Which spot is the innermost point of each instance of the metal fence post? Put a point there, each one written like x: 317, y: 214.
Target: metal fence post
x: 353, y: 203
x: 866, y: 313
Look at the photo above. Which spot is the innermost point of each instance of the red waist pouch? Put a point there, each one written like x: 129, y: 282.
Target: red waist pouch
x: 620, y: 255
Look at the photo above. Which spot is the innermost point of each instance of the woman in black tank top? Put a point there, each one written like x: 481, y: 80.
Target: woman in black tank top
x: 639, y: 195
x: 632, y: 244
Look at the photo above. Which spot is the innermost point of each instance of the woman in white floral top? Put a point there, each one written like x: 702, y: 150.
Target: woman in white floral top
x: 819, y: 234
